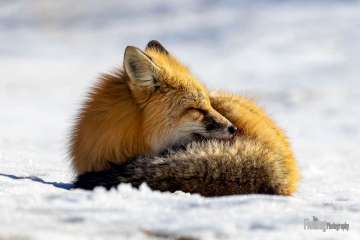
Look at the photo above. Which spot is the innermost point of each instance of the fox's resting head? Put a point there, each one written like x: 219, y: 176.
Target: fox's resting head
x: 175, y: 106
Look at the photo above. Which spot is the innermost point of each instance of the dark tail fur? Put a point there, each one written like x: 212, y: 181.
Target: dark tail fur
x: 210, y: 168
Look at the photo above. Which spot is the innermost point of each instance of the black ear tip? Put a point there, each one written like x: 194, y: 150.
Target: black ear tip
x: 154, y: 44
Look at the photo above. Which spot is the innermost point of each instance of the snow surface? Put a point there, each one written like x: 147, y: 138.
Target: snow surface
x: 299, y: 59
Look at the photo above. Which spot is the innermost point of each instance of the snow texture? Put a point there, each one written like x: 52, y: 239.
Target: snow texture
x: 299, y: 59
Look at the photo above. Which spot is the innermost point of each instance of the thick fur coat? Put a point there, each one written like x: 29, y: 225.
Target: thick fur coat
x: 256, y: 159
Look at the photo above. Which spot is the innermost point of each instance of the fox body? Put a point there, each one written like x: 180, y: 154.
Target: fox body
x: 257, y: 159
x: 151, y: 105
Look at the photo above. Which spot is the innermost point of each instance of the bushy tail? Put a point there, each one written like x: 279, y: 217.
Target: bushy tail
x: 210, y: 168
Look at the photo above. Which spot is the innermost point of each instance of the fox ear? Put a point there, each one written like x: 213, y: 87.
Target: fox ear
x: 140, y: 68
x: 153, y: 44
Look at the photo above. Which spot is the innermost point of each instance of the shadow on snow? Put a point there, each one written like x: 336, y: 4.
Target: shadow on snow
x: 66, y: 186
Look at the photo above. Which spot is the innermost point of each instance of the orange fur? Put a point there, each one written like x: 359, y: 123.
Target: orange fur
x: 155, y: 103
x: 253, y: 122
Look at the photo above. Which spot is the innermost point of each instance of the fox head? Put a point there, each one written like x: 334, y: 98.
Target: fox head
x: 175, y: 106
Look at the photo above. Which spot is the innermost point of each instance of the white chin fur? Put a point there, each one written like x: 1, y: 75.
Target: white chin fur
x: 186, y: 135
x: 174, y: 140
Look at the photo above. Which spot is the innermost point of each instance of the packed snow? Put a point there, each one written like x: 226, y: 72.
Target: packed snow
x: 299, y: 59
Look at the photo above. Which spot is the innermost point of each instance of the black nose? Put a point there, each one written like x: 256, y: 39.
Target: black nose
x: 232, y: 129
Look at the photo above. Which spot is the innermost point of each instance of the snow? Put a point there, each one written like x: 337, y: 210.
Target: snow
x: 299, y: 59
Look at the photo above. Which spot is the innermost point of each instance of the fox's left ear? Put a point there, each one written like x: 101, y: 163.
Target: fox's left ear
x: 156, y: 45
x: 140, y: 69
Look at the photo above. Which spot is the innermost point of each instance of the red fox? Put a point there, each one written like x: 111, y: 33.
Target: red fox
x: 154, y: 122
x: 154, y: 104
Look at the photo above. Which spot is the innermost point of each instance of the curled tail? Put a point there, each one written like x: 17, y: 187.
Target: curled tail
x: 210, y: 168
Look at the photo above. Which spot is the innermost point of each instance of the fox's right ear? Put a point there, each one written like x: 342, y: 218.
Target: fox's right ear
x: 140, y: 68
x: 156, y: 45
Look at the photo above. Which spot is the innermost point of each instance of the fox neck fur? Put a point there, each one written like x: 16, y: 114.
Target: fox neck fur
x: 112, y: 128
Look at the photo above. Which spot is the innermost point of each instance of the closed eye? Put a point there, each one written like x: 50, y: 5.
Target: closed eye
x: 202, y: 111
